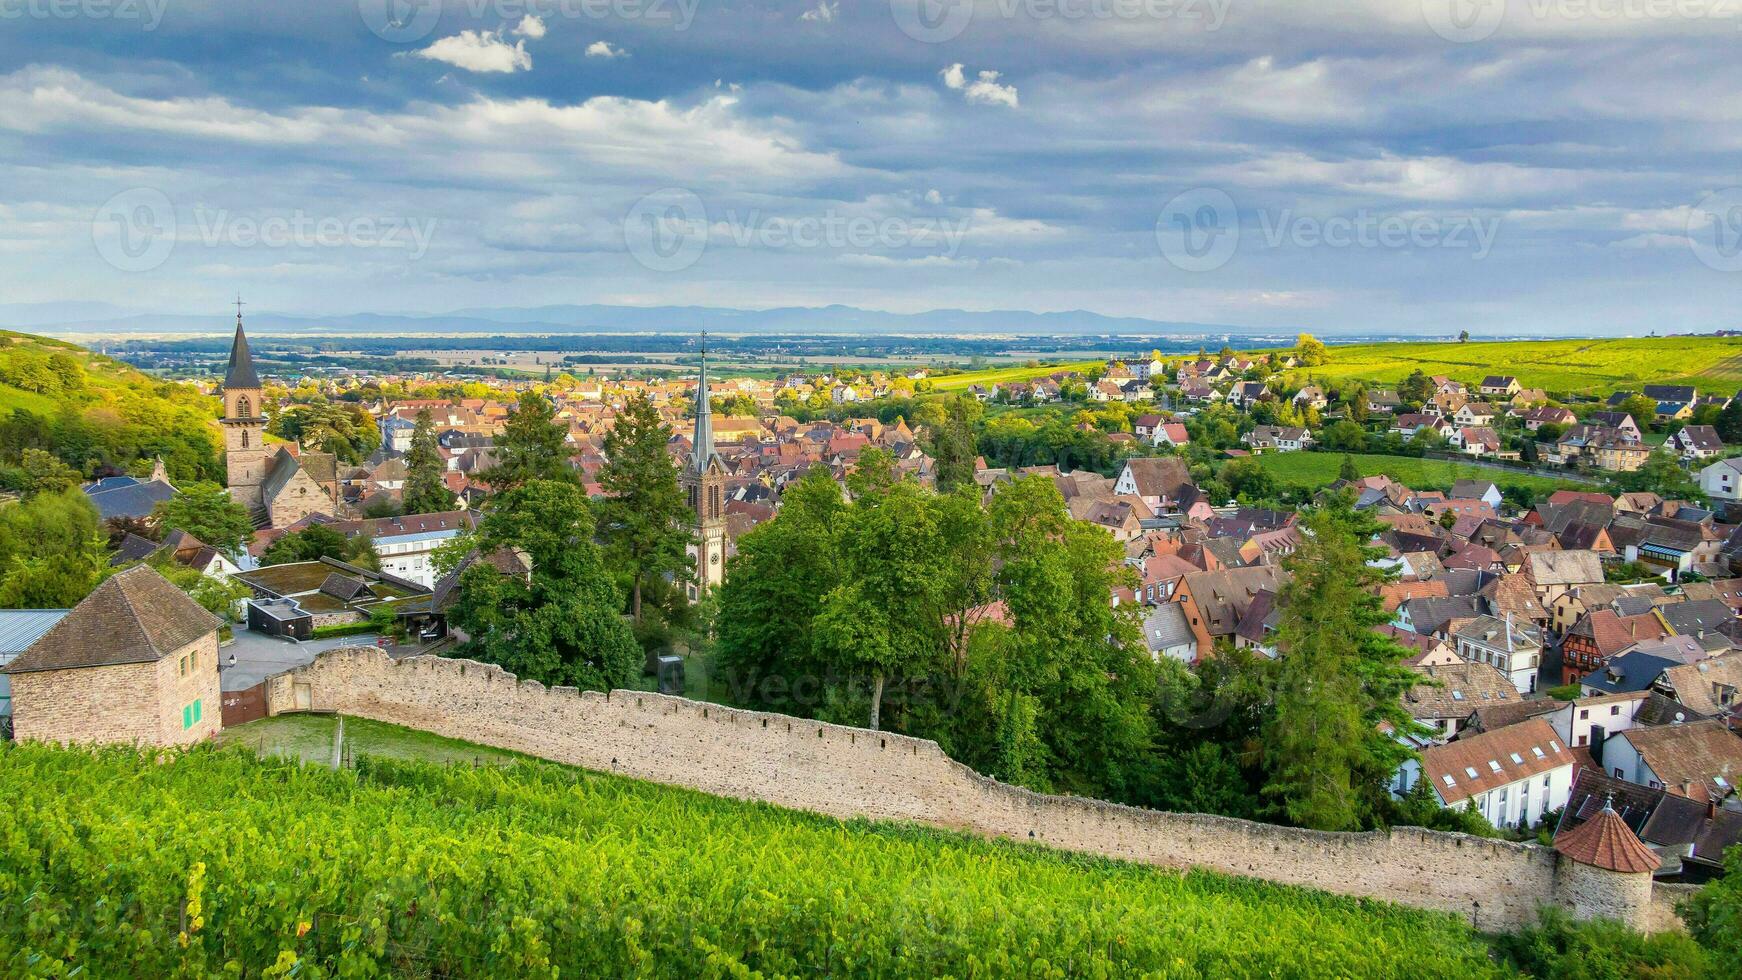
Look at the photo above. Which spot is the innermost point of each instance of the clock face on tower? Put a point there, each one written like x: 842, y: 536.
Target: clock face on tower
x: 714, y: 559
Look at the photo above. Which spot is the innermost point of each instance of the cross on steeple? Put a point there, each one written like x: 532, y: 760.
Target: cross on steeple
x: 238, y: 309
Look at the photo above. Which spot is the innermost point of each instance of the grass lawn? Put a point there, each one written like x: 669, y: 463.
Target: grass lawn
x: 310, y: 738
x: 1712, y: 364
x: 1311, y: 471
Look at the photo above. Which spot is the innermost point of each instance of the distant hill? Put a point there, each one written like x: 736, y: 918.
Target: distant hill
x: 98, y: 414
x: 108, y: 321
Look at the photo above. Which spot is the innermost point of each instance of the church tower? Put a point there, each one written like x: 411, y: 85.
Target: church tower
x: 704, y: 480
x: 244, y: 423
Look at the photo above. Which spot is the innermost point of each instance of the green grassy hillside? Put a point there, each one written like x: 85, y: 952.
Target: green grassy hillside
x: 94, y: 411
x: 1712, y: 363
x: 411, y: 869
x: 1310, y: 471
x: 999, y: 375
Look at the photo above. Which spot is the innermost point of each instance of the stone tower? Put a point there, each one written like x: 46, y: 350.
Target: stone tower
x: 1605, y: 871
x: 244, y: 424
x: 704, y: 480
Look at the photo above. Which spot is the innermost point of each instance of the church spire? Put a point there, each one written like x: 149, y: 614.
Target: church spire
x: 240, y: 373
x: 702, y: 446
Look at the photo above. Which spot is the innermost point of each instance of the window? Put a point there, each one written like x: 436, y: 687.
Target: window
x: 1584, y: 713
x: 190, y: 715
x: 1449, y: 780
x: 1493, y: 766
x: 1614, y: 709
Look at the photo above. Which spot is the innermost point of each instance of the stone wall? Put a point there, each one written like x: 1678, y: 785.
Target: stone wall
x: 853, y: 772
x: 138, y: 703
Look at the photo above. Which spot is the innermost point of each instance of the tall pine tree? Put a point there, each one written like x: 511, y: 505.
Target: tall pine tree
x: 642, y: 518
x: 532, y: 447
x: 425, y: 491
x: 1338, y: 683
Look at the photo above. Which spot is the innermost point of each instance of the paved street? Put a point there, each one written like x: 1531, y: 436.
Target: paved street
x: 259, y: 656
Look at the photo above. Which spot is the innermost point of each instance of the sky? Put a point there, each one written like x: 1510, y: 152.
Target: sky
x: 1416, y: 167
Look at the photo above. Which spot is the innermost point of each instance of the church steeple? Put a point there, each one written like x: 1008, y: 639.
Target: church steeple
x: 702, y: 445
x: 241, y: 371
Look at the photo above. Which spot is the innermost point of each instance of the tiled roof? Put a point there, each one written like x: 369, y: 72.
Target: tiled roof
x: 1605, y: 841
x: 136, y: 616
x: 1474, y: 765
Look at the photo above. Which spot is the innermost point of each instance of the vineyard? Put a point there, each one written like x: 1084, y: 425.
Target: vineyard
x: 116, y: 864
x: 1713, y: 364
x: 1312, y: 470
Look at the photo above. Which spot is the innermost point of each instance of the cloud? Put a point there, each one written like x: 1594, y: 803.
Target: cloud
x: 530, y: 26
x: 482, y: 51
x: 822, y: 13
x: 605, y: 49
x: 984, y: 90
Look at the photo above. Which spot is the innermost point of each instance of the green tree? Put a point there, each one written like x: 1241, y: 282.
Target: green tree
x: 560, y: 624
x: 1729, y: 423
x: 1346, y: 470
x: 425, y: 491
x: 1345, y: 435
x: 1337, y: 680
x: 1247, y: 478
x: 532, y: 446
x: 1643, y: 410
x: 642, y: 518
x: 772, y: 594
x: 208, y: 512
x: 45, y: 473
x: 950, y: 441
x: 1310, y: 351
x: 884, y: 620
x: 1661, y: 474
x: 312, y: 543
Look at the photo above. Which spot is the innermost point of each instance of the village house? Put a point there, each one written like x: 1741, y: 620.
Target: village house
x: 1511, y: 775
x: 1503, y: 385
x: 1694, y: 442
x: 1513, y: 649
x: 136, y: 662
x: 1701, y: 760
x: 1722, y: 480
x: 1278, y: 438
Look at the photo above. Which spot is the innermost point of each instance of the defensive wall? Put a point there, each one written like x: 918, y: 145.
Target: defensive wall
x: 855, y: 772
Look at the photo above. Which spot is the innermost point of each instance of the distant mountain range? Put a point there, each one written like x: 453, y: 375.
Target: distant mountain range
x: 107, y: 320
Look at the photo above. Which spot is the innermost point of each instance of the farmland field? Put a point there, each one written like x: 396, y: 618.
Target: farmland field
x: 1310, y: 471
x: 1713, y: 364
x: 409, y: 868
x: 957, y: 382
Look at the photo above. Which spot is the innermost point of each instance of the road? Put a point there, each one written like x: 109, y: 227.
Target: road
x: 259, y: 656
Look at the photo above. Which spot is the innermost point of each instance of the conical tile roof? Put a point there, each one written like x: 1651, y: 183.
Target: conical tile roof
x: 1605, y: 841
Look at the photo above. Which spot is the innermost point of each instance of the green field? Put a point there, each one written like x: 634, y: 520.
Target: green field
x: 1310, y: 471
x: 407, y: 868
x: 309, y: 738
x: 958, y: 382
x: 1713, y: 364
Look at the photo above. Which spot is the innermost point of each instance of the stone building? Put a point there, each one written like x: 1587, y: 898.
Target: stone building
x: 277, y: 486
x: 135, y: 662
x: 704, y: 483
